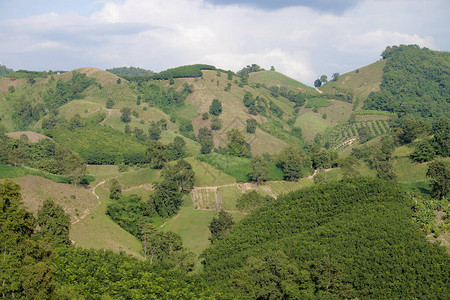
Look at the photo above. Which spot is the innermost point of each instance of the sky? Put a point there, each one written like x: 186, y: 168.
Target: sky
x: 302, y: 39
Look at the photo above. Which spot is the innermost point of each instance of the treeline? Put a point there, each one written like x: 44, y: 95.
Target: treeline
x: 183, y: 71
x: 349, y: 239
x: 41, y: 264
x: 130, y: 71
x: 415, y: 83
x: 45, y: 155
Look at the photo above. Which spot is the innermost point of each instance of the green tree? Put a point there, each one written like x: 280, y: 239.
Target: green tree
x: 251, y: 125
x: 412, y: 129
x: 11, y: 89
x: 259, y: 169
x: 272, y: 276
x: 127, y: 129
x: 335, y: 76
x: 216, y: 107
x: 439, y: 174
x: 115, y: 191
x: 205, y: 116
x: 424, y: 152
x: 237, y: 146
x: 167, y: 198
x: 126, y: 115
x: 216, y: 123
x: 220, y: 225
x: 205, y: 139
x: 292, y: 161
x: 323, y: 79
x: 25, y: 263
x: 363, y: 134
x: 317, y: 83
x: 110, y: 103
x: 54, y: 223
x: 350, y: 166
x: 441, y: 139
x: 72, y: 165
x: 157, y: 154
x: 154, y: 131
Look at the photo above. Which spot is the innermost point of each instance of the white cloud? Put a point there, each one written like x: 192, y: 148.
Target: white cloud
x: 158, y: 34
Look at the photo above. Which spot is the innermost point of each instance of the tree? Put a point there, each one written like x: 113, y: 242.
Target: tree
x: 181, y: 174
x: 205, y: 139
x: 220, y: 225
x: 25, y: 262
x: 127, y: 129
x: 237, y: 146
x: 115, y: 191
x: 11, y: 89
x: 205, y: 116
x: 110, y: 103
x: 412, y: 129
x: 424, y: 152
x: 439, y: 174
x: 73, y: 165
x: 271, y: 276
x: 119, y: 81
x: 317, y: 83
x: 154, y: 132
x: 323, y: 79
x: 259, y: 169
x: 216, y: 123
x: 54, y: 223
x: 178, y: 148
x: 251, y: 125
x: 126, y: 115
x: 216, y: 107
x: 441, y: 139
x: 350, y: 166
x: 157, y: 153
x: 167, y: 198
x: 335, y: 76
x: 363, y: 134
x: 292, y: 161
x: 272, y: 68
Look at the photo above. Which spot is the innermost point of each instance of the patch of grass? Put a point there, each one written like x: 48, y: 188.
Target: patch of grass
x: 207, y: 175
x: 229, y: 195
x: 192, y: 147
x: 318, y: 102
x: 192, y: 224
x: 273, y: 78
x: 311, y: 124
x: 283, y: 187
x: 409, y: 171
x: 238, y: 167
x: 98, y: 231
x: 14, y: 172
x: 138, y: 177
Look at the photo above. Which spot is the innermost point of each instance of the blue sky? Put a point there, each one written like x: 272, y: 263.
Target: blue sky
x: 301, y: 38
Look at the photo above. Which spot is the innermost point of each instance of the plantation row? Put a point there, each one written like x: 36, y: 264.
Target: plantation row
x: 342, y: 133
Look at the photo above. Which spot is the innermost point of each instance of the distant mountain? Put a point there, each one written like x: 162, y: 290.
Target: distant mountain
x: 130, y: 71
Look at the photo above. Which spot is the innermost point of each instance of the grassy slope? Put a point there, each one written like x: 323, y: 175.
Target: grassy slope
x: 367, y: 80
x: 271, y: 78
x: 234, y: 113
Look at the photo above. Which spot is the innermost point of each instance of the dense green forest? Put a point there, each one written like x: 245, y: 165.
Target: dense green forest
x: 348, y: 239
x: 416, y: 83
x: 130, y: 71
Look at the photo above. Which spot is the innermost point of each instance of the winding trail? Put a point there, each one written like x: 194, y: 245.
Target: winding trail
x: 88, y: 211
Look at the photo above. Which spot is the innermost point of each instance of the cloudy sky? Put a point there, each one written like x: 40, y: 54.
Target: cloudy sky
x: 302, y: 39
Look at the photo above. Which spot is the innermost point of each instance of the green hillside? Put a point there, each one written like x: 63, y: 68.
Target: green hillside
x: 337, y: 240
x: 360, y: 83
x: 273, y: 78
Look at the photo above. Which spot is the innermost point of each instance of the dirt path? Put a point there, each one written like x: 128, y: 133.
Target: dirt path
x: 171, y: 219
x: 87, y: 211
